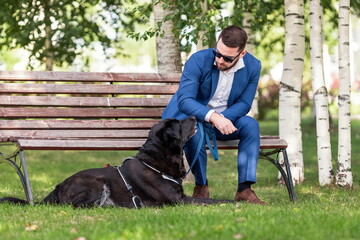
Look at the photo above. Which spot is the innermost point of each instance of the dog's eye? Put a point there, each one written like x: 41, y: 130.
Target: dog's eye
x: 174, y: 136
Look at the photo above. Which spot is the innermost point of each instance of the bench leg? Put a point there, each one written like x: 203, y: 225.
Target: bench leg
x: 285, y: 175
x: 289, y: 181
x: 26, y: 181
x: 23, y: 175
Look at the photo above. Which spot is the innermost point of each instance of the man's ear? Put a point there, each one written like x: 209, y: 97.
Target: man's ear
x: 243, y: 53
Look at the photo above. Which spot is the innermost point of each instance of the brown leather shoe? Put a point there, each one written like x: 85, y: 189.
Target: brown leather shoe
x: 248, y: 195
x: 201, y: 191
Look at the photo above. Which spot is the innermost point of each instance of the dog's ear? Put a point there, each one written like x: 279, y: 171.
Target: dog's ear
x: 170, y: 136
x: 172, y: 133
x: 188, y: 128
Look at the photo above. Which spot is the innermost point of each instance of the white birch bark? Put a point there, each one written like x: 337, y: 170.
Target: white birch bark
x: 320, y: 95
x: 344, y: 174
x: 290, y: 86
x: 167, y: 47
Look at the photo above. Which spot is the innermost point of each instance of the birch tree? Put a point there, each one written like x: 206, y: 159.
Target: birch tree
x: 167, y: 45
x: 320, y: 95
x: 290, y: 86
x: 344, y: 174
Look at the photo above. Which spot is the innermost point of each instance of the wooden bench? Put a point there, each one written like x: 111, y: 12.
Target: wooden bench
x: 92, y: 111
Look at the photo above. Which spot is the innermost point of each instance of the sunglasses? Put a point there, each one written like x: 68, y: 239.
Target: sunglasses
x: 226, y: 59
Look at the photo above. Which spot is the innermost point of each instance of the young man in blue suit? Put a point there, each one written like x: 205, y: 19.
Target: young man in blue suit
x: 218, y: 86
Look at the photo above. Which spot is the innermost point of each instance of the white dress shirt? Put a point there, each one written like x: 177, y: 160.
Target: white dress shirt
x: 218, y: 102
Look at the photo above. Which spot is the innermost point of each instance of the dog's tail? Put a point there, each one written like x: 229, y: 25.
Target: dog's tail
x: 52, y: 198
x: 13, y: 200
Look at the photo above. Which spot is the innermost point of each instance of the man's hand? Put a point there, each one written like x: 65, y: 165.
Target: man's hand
x: 224, y: 125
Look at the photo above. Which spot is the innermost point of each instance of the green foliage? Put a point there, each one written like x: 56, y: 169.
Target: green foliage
x: 319, y: 213
x: 71, y: 26
x: 355, y: 7
x: 267, y: 24
x: 191, y: 19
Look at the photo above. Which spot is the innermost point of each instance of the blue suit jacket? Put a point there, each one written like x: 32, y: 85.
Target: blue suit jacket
x: 198, y: 84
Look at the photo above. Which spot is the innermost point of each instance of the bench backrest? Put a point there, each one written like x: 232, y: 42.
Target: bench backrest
x: 39, y: 109
x: 57, y: 105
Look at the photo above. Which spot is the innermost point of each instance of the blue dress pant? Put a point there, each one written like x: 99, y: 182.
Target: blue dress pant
x: 248, y: 151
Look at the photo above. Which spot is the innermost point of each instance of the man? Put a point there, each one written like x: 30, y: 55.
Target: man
x: 218, y: 86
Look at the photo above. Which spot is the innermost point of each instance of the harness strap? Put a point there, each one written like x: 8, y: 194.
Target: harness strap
x: 164, y: 175
x: 135, y: 199
x: 207, y: 133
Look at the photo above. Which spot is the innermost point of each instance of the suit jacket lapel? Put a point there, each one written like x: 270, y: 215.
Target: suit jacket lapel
x: 214, y: 80
x: 238, y: 85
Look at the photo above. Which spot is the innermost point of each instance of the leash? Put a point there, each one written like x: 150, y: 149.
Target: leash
x: 207, y: 133
x: 135, y: 198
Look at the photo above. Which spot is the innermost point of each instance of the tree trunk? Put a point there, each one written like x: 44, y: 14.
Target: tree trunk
x: 326, y: 175
x: 254, y: 111
x: 49, y: 59
x: 344, y: 174
x: 290, y: 86
x: 167, y: 46
x: 199, y: 45
x: 49, y: 54
x: 168, y: 53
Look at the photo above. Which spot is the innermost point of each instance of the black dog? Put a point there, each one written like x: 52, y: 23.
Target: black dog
x: 151, y: 178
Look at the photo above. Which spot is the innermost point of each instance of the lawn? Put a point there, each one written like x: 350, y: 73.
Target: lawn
x: 319, y: 213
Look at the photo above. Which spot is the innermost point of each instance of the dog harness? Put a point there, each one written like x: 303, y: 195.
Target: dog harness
x: 135, y: 198
x: 164, y: 176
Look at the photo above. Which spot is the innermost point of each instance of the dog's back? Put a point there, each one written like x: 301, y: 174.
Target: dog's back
x: 53, y: 197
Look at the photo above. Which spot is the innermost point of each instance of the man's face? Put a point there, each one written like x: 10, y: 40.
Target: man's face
x: 229, y: 53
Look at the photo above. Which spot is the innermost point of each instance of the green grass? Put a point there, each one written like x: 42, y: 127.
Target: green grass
x: 319, y: 213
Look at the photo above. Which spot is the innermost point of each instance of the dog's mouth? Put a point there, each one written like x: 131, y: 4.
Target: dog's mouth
x: 193, y: 131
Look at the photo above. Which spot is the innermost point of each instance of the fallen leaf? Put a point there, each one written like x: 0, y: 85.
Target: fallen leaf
x: 237, y: 236
x: 219, y: 227
x: 31, y: 227
x: 80, y: 238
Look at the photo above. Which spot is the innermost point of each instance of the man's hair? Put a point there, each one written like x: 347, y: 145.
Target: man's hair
x: 234, y: 36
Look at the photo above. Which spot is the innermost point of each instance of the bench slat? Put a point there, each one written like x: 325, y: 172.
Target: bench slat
x: 126, y: 144
x: 265, y: 143
x: 80, y: 113
x: 82, y: 101
x: 86, y: 89
x: 74, y: 133
x: 30, y: 144
x: 77, y: 124
x: 88, y: 76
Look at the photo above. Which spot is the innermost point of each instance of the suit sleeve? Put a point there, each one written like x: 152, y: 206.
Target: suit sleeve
x: 189, y: 88
x: 243, y: 104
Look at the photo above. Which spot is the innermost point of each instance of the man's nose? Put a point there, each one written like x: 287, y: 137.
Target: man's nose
x: 221, y: 60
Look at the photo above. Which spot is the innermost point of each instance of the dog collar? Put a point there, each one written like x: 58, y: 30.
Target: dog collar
x: 164, y: 176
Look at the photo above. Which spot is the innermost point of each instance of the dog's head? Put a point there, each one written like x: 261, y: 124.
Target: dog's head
x: 165, y: 145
